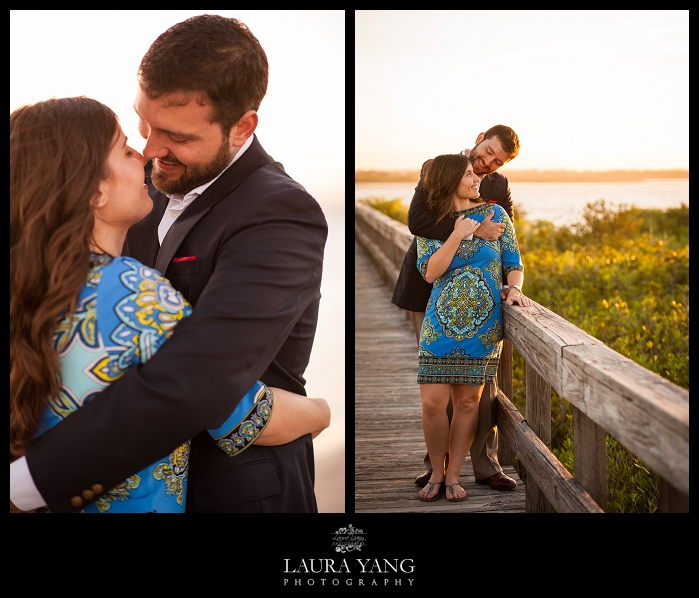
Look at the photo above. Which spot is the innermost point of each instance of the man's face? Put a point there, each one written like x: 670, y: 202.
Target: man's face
x: 488, y: 156
x: 188, y: 149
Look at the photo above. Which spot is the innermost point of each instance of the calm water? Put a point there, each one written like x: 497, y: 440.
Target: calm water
x: 562, y: 203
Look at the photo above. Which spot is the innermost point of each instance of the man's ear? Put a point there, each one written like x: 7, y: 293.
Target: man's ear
x: 245, y: 127
x: 480, y: 138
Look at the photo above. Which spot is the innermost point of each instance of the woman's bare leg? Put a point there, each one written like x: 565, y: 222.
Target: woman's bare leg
x: 435, y: 427
x: 464, y: 423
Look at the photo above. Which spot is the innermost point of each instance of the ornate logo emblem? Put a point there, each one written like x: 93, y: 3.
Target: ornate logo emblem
x: 349, y: 538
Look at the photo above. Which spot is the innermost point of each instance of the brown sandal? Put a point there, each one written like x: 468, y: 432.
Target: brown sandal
x: 450, y: 490
x: 436, y: 496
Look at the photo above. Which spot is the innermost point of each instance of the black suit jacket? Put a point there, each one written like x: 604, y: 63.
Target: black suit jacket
x: 412, y: 291
x: 254, y: 242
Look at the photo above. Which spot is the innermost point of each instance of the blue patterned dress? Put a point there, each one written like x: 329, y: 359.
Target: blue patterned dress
x: 461, y: 336
x: 125, y: 312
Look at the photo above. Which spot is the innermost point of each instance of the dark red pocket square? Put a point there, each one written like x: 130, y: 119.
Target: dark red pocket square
x: 187, y: 258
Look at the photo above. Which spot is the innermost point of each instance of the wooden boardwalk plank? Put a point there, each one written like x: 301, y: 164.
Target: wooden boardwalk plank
x: 389, y: 445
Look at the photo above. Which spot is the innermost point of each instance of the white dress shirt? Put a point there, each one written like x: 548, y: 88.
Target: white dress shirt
x: 23, y: 492
x: 179, y: 202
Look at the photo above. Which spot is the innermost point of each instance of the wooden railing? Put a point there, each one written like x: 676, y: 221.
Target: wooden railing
x: 609, y: 393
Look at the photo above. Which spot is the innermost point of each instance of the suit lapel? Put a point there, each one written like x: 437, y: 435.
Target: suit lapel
x: 255, y: 157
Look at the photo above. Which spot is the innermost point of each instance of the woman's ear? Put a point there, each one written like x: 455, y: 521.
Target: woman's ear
x: 99, y: 199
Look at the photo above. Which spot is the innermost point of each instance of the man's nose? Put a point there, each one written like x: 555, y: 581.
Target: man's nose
x: 154, y: 149
x: 489, y: 163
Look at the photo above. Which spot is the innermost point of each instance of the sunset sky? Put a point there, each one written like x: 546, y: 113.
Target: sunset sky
x: 97, y: 53
x: 583, y: 89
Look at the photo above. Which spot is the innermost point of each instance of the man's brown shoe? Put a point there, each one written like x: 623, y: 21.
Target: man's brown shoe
x: 423, y: 478
x: 499, y: 481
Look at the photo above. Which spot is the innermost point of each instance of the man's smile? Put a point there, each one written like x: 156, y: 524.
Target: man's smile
x: 166, y: 166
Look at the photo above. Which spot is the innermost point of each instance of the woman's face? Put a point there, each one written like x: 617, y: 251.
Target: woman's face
x: 468, y: 187
x: 126, y: 193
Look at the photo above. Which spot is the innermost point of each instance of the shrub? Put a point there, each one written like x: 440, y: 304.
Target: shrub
x: 391, y: 207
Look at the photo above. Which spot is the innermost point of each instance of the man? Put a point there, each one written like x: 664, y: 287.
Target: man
x: 497, y: 146
x: 244, y: 243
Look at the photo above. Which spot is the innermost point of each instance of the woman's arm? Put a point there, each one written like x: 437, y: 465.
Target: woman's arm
x: 515, y: 277
x: 514, y: 293
x: 294, y: 416
x: 269, y: 417
x: 439, y: 261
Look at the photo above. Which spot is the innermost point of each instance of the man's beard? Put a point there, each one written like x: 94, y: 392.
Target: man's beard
x: 193, y: 176
x: 474, y: 156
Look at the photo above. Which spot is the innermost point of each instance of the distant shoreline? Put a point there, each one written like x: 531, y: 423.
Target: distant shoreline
x: 533, y: 176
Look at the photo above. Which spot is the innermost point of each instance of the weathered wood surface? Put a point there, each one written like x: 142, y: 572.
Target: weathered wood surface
x: 538, y: 416
x: 389, y: 445
x: 561, y: 490
x: 590, y: 454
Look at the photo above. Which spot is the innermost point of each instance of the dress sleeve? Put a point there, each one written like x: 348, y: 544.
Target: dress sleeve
x: 247, y: 421
x: 425, y: 249
x: 511, y: 258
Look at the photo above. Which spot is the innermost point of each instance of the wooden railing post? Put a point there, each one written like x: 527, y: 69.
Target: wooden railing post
x: 670, y: 499
x: 590, y: 453
x: 538, y: 416
x: 506, y: 456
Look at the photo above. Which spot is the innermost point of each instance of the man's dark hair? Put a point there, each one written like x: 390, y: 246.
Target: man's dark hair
x: 209, y: 54
x: 508, y: 139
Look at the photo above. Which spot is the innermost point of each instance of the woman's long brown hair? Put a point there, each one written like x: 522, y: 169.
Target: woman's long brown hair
x: 441, y: 180
x: 58, y: 156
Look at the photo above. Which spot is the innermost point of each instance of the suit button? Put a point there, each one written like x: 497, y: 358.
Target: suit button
x: 76, y: 501
x: 97, y: 488
x: 88, y: 494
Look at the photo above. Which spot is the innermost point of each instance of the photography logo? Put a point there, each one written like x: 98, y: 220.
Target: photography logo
x: 348, y: 571
x: 349, y: 538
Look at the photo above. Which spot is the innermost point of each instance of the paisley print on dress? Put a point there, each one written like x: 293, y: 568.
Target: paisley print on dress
x: 464, y: 303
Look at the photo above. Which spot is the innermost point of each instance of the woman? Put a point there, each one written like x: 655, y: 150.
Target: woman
x: 461, y: 335
x: 81, y: 315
